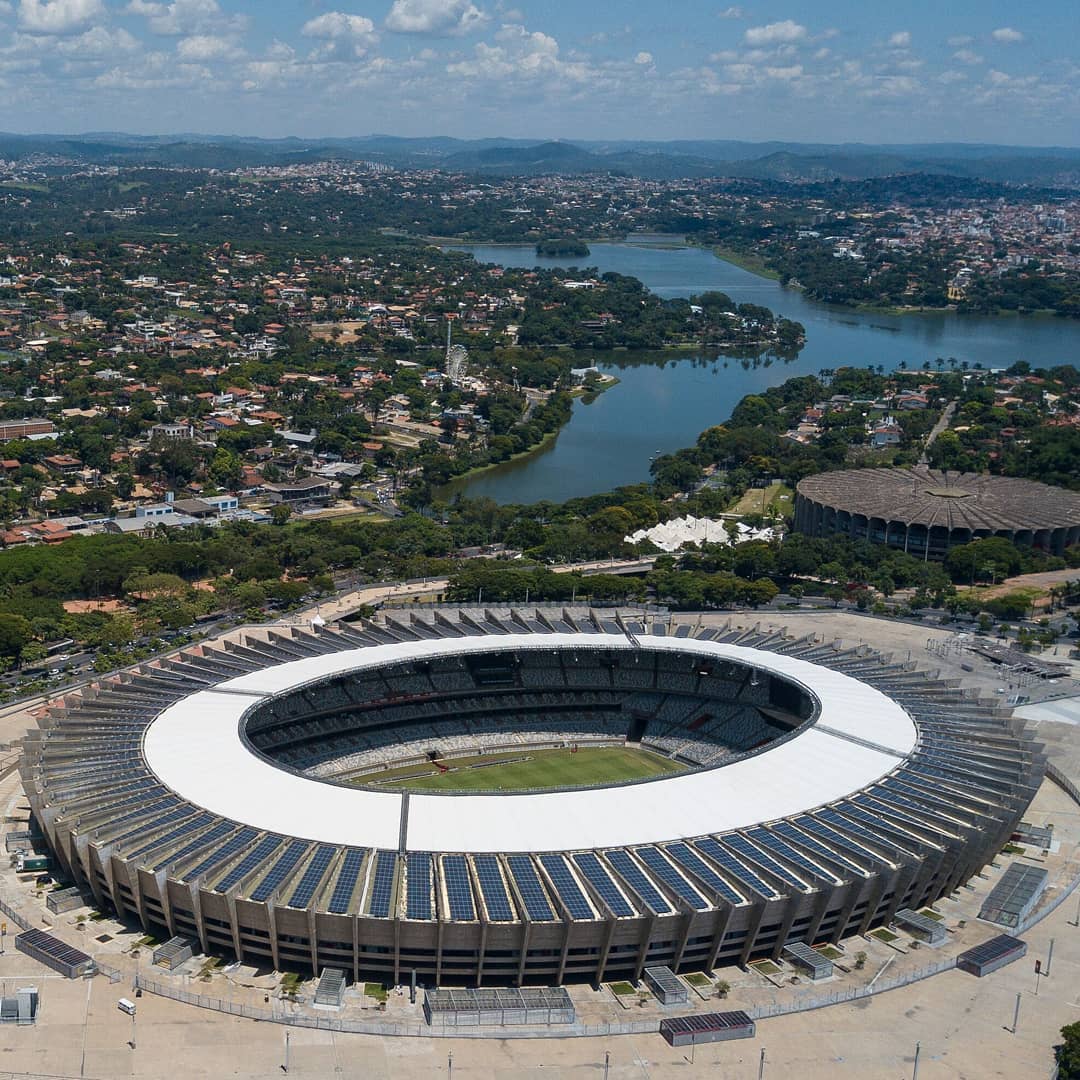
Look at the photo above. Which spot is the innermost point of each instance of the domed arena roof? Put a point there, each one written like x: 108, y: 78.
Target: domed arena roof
x: 951, y: 500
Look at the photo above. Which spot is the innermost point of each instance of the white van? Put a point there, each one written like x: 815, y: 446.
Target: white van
x: 125, y: 1005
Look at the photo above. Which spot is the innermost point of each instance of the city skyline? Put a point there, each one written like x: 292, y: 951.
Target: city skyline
x: 833, y: 72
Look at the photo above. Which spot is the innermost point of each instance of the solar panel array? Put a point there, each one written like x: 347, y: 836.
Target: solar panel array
x: 530, y: 889
x: 568, y: 889
x: 233, y: 846
x: 382, y: 885
x: 743, y: 846
x: 280, y: 870
x: 723, y: 858
x: 312, y: 876
x: 458, y: 888
x: 248, y: 863
x: 671, y: 877
x: 601, y: 881
x: 797, y: 858
x: 696, y: 865
x: 345, y: 885
x: 489, y: 875
x: 417, y: 885
x: 632, y: 874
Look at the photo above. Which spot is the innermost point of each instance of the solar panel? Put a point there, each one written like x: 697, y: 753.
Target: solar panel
x: 722, y: 857
x: 532, y: 893
x: 863, y: 810
x: 809, y: 825
x: 279, y: 871
x: 248, y: 863
x: 235, y: 844
x: 346, y: 881
x: 932, y: 819
x: 489, y: 875
x: 219, y: 830
x: 382, y: 885
x: 51, y: 948
x: 671, y: 877
x: 417, y: 885
x: 189, y: 825
x: 835, y: 820
x: 601, y: 881
x: 785, y: 828
x: 568, y: 889
x: 458, y: 888
x: 634, y: 877
x: 920, y: 827
x: 743, y: 846
x: 782, y: 848
x: 312, y: 876
x: 687, y: 859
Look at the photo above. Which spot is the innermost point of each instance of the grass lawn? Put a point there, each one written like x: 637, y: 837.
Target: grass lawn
x: 518, y: 770
x: 752, y: 502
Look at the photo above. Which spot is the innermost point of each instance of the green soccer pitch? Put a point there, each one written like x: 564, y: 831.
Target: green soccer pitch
x: 523, y: 769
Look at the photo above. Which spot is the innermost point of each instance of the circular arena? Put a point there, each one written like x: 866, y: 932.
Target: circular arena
x: 513, y: 796
x: 927, y: 511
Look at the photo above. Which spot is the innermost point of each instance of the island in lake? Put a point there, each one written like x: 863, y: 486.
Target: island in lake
x: 561, y: 246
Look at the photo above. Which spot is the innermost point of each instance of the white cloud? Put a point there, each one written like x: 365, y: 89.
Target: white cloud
x: 154, y: 71
x: 200, y: 47
x: 784, y: 74
x: 5, y: 8
x: 97, y: 43
x: 1006, y: 35
x: 521, y: 54
x: 959, y: 39
x: 336, y: 25
x: 733, y: 12
x: 901, y: 39
x: 643, y: 58
x: 58, y: 16
x: 441, y: 17
x: 967, y: 56
x: 777, y: 33
x: 183, y: 17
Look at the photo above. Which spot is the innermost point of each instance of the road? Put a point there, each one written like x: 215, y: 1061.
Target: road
x: 939, y: 427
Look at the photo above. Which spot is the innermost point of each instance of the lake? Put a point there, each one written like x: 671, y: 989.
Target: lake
x: 664, y: 400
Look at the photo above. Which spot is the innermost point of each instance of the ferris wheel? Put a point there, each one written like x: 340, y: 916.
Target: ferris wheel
x: 456, y: 358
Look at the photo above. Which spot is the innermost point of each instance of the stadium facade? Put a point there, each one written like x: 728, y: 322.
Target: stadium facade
x: 825, y: 789
x: 925, y: 512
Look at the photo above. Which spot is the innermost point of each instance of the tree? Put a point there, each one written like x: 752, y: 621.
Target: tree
x: 15, y: 634
x: 1068, y: 1053
x: 280, y: 513
x: 993, y: 555
x: 33, y: 653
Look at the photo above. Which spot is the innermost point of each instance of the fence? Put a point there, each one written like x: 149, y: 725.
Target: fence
x: 803, y: 1002
x: 1058, y: 777
x: 806, y: 1001
x: 284, y: 1015
x: 14, y: 916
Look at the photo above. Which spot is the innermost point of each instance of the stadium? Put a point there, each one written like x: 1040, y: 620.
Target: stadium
x: 504, y: 797
x: 925, y: 512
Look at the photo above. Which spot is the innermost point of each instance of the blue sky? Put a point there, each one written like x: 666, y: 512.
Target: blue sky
x: 831, y: 71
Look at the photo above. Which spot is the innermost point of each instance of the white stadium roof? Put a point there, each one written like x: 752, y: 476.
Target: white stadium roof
x: 196, y: 748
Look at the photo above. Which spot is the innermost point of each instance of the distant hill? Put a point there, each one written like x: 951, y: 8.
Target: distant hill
x: 799, y: 162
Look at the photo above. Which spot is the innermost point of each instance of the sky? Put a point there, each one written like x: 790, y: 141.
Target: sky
x: 828, y: 71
